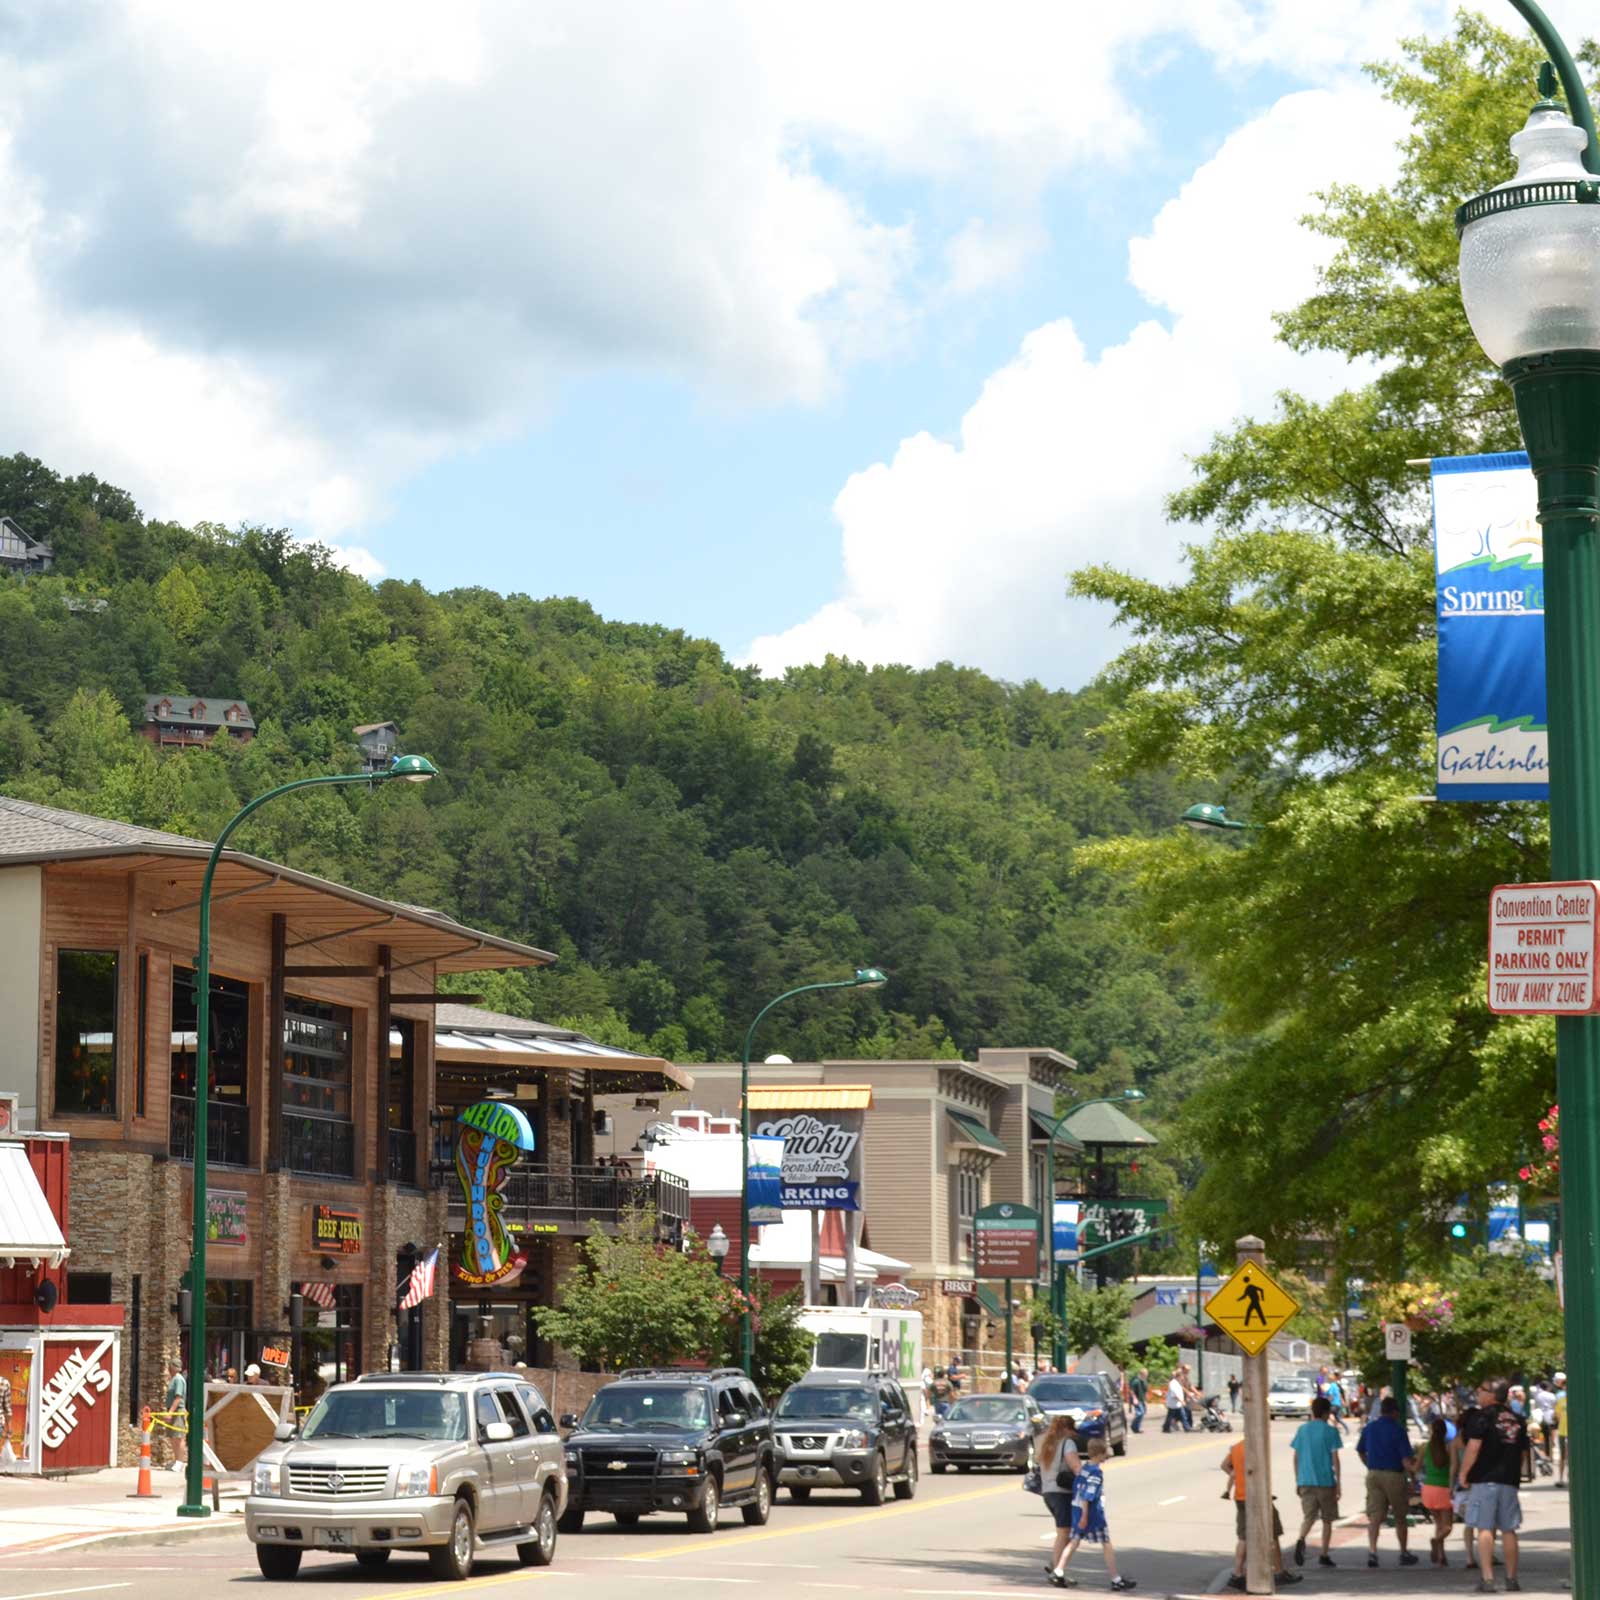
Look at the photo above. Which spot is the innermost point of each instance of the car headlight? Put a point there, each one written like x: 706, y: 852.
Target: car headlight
x: 852, y: 1439
x: 417, y: 1477
x: 572, y: 1458
x: 939, y: 1434
x: 678, y: 1458
x: 266, y: 1477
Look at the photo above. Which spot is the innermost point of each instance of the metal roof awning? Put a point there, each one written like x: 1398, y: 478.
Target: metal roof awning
x: 1041, y: 1130
x: 501, y: 1051
x: 970, y: 1132
x: 990, y: 1301
x: 812, y: 1097
x: 28, y: 1228
x: 1107, y: 1125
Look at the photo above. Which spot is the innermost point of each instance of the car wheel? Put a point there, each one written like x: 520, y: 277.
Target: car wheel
x: 908, y: 1485
x: 703, y: 1519
x: 372, y: 1560
x: 571, y: 1520
x: 454, y: 1560
x: 540, y: 1550
x: 757, y: 1513
x: 799, y: 1494
x: 1120, y: 1448
x: 876, y: 1490
x: 280, y: 1562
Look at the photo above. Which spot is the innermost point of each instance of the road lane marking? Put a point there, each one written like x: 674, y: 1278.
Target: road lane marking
x: 427, y: 1591
x: 86, y: 1588
x: 1173, y: 1501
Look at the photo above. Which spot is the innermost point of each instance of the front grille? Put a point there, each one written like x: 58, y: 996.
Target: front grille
x: 809, y: 1441
x: 338, y: 1482
x: 618, y: 1466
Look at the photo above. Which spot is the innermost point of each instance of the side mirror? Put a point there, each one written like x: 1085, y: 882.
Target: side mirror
x: 568, y: 1421
x: 284, y: 1432
x: 496, y: 1432
x: 735, y: 1419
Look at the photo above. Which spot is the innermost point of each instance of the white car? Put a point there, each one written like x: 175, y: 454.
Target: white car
x: 1290, y: 1397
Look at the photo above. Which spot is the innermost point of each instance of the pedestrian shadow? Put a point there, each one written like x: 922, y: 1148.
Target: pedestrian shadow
x: 1025, y: 1569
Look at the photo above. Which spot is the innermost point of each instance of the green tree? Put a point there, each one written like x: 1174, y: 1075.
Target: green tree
x: 1292, y: 671
x: 1100, y: 1317
x: 632, y: 1301
x: 1161, y: 1358
x: 782, y: 1350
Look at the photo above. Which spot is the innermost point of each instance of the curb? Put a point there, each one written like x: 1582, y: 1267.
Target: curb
x: 165, y: 1533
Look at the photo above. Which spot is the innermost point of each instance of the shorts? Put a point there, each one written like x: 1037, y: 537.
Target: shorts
x: 1458, y: 1504
x: 1386, y: 1492
x: 1239, y: 1521
x: 1060, y: 1505
x: 1319, y: 1500
x: 1494, y: 1507
x: 1436, y: 1497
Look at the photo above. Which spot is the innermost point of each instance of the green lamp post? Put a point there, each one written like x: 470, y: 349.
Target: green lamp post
x: 411, y: 769
x: 1208, y: 818
x: 1058, y: 1276
x: 1530, y: 282
x: 865, y: 978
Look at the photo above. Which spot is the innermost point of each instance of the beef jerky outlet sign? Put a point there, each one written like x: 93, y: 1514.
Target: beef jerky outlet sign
x: 821, y: 1159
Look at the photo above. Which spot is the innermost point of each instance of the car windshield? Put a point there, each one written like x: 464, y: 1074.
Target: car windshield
x: 680, y: 1407
x: 988, y: 1408
x: 369, y: 1413
x: 1066, y: 1391
x: 824, y: 1400
x: 1293, y: 1386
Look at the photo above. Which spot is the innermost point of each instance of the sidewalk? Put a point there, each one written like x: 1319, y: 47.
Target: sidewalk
x: 1544, y: 1568
x: 59, y: 1513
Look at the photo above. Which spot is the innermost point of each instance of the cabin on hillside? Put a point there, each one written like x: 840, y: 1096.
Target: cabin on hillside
x: 186, y: 721
x: 379, y: 742
x: 20, y: 552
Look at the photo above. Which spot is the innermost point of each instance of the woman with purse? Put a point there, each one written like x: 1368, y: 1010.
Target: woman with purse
x: 1058, y: 1472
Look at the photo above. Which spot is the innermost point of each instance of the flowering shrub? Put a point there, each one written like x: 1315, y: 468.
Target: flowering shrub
x: 1547, y: 1173
x: 1426, y: 1306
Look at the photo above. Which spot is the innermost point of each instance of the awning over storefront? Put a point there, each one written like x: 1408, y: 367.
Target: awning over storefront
x: 28, y: 1228
x: 1041, y: 1130
x: 990, y: 1301
x: 813, y: 1097
x: 969, y: 1131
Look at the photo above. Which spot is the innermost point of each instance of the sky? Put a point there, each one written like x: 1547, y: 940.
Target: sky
x: 810, y: 329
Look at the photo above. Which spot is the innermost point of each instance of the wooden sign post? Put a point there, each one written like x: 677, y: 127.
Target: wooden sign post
x: 1258, y: 1545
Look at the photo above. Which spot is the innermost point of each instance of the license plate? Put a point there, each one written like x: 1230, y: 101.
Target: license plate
x: 336, y: 1538
x: 808, y: 1472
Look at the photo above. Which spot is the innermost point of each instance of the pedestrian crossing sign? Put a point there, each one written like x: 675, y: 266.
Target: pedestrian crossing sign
x: 1251, y: 1307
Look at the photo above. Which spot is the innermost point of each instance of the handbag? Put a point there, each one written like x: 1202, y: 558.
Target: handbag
x: 1032, y: 1482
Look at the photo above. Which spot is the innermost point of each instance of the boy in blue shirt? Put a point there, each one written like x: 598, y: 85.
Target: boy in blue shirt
x: 1316, y: 1476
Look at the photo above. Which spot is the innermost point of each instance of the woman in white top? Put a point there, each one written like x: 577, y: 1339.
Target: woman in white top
x: 1058, y: 1455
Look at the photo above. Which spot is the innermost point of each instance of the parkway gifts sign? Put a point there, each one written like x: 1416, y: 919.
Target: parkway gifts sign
x: 821, y: 1158
x: 1542, y: 939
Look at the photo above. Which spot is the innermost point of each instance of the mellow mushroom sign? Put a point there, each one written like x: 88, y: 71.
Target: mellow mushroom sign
x: 1542, y: 939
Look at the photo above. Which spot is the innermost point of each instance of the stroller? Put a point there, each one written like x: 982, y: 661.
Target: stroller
x: 1212, y: 1418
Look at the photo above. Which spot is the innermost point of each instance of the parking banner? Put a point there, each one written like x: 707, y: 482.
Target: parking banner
x: 1493, y: 742
x: 765, y: 1181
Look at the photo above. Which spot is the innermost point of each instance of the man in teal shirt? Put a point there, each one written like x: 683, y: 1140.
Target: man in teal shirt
x: 1316, y: 1476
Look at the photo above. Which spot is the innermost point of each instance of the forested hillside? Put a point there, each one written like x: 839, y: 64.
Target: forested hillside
x: 690, y: 838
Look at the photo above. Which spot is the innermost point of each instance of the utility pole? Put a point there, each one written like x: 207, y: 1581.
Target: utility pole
x: 1258, y: 1541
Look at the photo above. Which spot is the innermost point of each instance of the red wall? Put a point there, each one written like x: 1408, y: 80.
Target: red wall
x: 88, y: 1441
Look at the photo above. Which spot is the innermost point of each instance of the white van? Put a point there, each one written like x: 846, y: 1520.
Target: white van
x: 869, y: 1340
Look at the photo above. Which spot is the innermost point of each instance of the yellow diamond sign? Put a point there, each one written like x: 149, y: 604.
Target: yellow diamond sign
x: 1251, y: 1307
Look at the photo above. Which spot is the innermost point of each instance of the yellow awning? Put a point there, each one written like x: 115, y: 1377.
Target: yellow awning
x: 812, y: 1097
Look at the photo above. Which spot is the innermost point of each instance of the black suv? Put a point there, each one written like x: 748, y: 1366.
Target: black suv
x: 846, y: 1430
x: 671, y: 1439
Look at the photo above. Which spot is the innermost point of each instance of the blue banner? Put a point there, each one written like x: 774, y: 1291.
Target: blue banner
x: 821, y: 1197
x: 1493, y: 742
x: 1065, y: 1225
x: 765, y: 1180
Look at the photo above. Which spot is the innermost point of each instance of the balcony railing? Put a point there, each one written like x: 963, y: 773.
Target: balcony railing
x: 541, y: 1193
x: 319, y: 1144
x: 402, y: 1156
x: 227, y: 1132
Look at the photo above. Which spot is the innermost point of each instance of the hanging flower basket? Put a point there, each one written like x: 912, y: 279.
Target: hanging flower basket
x: 1418, y: 1324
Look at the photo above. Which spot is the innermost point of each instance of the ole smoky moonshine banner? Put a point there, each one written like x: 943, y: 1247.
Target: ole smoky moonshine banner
x: 1492, y: 726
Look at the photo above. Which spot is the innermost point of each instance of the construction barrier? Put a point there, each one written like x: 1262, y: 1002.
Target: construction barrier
x: 144, y: 1490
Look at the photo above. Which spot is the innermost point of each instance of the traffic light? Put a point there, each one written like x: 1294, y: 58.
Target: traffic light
x: 1458, y: 1230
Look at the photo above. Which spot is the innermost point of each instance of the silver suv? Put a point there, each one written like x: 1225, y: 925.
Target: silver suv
x: 457, y: 1464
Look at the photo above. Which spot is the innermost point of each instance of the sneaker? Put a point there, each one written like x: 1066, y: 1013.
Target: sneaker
x: 1289, y: 1577
x: 1372, y: 1558
x: 1062, y: 1581
x: 1299, y: 1552
x: 1406, y: 1559
x: 1326, y: 1561
x: 1125, y: 1583
x: 1484, y: 1588
x: 1512, y: 1586
x: 1236, y: 1581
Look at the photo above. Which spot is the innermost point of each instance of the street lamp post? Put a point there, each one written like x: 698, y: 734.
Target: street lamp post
x: 1530, y: 283
x: 717, y: 1246
x: 865, y: 978
x: 1058, y: 1280
x: 412, y: 769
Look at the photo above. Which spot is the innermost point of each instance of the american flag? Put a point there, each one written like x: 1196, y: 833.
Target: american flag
x: 420, y: 1285
x: 319, y: 1294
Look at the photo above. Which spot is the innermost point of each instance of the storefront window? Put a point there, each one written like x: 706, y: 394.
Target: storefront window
x: 228, y: 1322
x: 330, y: 1343
x: 228, y: 1068
x: 86, y: 1031
x: 318, y: 1135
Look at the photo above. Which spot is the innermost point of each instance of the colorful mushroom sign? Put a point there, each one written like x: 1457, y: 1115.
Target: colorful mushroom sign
x: 491, y: 1137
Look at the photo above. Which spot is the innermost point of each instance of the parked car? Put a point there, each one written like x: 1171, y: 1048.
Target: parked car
x: 683, y: 1439
x: 987, y: 1430
x: 1093, y: 1399
x: 454, y: 1464
x: 846, y: 1430
x: 1291, y: 1397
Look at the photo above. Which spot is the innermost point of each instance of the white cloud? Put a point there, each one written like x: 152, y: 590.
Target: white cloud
x: 960, y: 548
x: 982, y: 256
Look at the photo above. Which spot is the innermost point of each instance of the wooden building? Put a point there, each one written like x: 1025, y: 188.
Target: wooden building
x: 20, y: 552
x: 189, y: 721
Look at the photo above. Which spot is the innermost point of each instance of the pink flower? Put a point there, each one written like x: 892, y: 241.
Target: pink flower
x: 1525, y: 1173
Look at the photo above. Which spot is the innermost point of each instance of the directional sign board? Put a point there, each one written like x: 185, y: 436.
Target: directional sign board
x: 1542, y: 943
x: 1251, y: 1307
x: 1007, y: 1239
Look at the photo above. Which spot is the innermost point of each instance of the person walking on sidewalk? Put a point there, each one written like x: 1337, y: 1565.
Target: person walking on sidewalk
x: 1177, y: 1415
x: 1437, y: 1461
x: 1560, y: 1410
x: 1493, y: 1462
x: 175, y: 1403
x: 1233, y: 1466
x: 1385, y: 1451
x: 1089, y: 1518
x: 1234, y: 1386
x: 1316, y: 1476
x: 1058, y: 1474
x: 1139, y: 1388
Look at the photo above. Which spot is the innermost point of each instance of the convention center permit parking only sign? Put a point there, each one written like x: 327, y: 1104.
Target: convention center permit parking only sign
x: 1542, y: 939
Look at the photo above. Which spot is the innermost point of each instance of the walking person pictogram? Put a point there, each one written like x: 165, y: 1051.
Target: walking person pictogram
x: 1251, y: 1294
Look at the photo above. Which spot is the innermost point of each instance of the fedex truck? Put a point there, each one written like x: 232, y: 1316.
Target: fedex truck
x: 870, y: 1340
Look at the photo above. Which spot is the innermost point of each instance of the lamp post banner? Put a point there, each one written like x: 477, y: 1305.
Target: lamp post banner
x: 766, y: 1180
x: 1064, y: 1245
x: 1493, y: 740
x: 821, y: 1159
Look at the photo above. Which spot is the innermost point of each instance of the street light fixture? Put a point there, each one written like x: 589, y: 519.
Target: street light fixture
x: 1530, y: 283
x: 1208, y: 818
x: 717, y: 1246
x: 1058, y: 1281
x: 865, y: 978
x: 409, y: 769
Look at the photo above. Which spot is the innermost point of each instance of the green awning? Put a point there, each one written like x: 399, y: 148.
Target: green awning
x: 1107, y: 1125
x: 970, y: 1131
x: 990, y: 1301
x: 1159, y: 1322
x: 1042, y: 1126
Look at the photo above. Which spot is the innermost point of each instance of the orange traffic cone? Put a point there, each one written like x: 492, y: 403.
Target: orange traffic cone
x: 144, y: 1490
